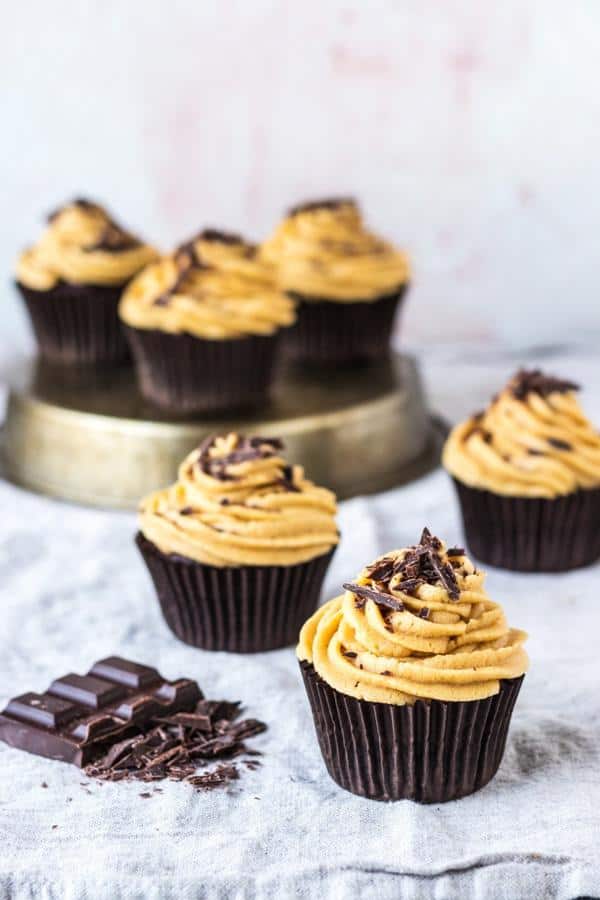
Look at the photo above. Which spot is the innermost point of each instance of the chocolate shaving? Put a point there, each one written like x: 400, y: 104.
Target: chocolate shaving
x: 170, y: 747
x: 213, y: 235
x: 327, y: 203
x: 534, y: 381
x: 364, y: 593
x: 113, y: 239
x: 247, y: 450
x: 560, y: 445
x: 421, y: 564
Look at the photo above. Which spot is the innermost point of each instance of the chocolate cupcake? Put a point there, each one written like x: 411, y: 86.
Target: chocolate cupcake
x: 204, y: 326
x: 412, y: 675
x: 239, y: 546
x: 347, y: 282
x: 527, y: 474
x: 72, y: 280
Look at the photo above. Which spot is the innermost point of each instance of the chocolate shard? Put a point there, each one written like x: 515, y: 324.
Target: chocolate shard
x: 331, y: 203
x: 246, y: 450
x: 534, y: 381
x: 381, y: 599
x: 559, y: 444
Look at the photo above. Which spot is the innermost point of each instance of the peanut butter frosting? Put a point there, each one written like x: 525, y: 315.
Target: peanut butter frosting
x: 82, y: 245
x: 237, y: 502
x: 532, y: 441
x: 214, y: 287
x: 322, y: 250
x: 416, y: 624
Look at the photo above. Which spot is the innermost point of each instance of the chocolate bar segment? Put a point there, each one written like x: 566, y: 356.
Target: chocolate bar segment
x: 80, y: 716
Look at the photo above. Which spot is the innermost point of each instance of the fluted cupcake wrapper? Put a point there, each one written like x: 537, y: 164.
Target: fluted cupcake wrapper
x: 430, y: 752
x: 185, y: 374
x: 529, y: 534
x: 327, y: 331
x: 245, y: 609
x: 77, y: 323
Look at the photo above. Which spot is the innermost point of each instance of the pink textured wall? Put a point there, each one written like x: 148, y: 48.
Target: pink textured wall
x: 470, y: 132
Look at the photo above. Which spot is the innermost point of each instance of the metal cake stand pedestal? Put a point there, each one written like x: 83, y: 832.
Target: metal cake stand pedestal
x: 88, y: 436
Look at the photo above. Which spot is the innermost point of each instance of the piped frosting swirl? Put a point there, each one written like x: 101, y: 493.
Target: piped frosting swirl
x: 237, y: 502
x: 416, y: 624
x: 214, y: 287
x: 82, y: 245
x: 322, y: 250
x: 532, y: 441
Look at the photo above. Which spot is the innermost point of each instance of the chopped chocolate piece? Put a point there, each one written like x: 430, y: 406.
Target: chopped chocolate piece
x: 421, y: 564
x: 534, y: 381
x: 381, y: 570
x: 364, y: 593
x: 560, y: 445
x: 424, y: 612
x: 113, y: 239
x: 386, y: 672
x: 219, y: 237
x: 247, y: 449
x: 350, y: 654
x: 327, y: 203
x: 533, y: 452
x: 455, y: 551
x: 186, y: 511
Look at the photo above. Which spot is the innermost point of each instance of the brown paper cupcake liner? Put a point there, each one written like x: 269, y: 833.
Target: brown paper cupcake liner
x: 327, y: 331
x: 77, y: 323
x: 531, y: 534
x: 245, y: 609
x: 184, y: 374
x: 430, y: 752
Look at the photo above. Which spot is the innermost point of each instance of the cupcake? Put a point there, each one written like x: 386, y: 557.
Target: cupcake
x: 347, y: 282
x: 204, y: 326
x: 71, y: 282
x: 527, y: 473
x: 412, y: 675
x: 239, y: 546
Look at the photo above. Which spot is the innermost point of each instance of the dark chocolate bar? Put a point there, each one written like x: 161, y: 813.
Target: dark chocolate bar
x: 80, y: 716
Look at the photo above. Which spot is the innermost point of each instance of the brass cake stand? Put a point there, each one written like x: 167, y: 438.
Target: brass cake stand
x: 89, y: 436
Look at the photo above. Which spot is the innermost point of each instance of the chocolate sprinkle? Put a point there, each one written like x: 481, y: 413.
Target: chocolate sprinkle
x: 534, y: 381
x: 174, y: 746
x: 560, y: 445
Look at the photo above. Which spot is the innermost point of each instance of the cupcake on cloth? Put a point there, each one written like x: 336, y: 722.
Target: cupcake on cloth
x: 72, y: 279
x: 204, y: 326
x: 527, y: 473
x: 412, y: 676
x: 239, y: 546
x: 347, y: 281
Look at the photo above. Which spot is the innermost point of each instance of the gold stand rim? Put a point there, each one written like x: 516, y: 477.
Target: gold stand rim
x: 85, y: 437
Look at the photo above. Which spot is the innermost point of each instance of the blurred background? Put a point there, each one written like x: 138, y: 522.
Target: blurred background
x: 470, y: 132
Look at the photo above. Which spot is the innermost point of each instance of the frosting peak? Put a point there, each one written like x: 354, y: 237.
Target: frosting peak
x: 82, y: 245
x: 532, y: 441
x: 416, y: 623
x: 323, y: 250
x: 238, y: 502
x: 214, y: 287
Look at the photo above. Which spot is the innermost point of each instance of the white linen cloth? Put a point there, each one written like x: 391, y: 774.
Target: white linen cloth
x: 72, y: 590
